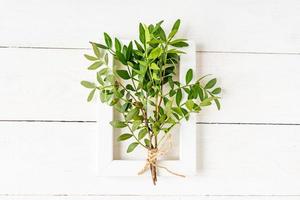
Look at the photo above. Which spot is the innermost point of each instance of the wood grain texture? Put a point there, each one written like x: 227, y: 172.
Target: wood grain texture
x: 60, y: 158
x: 232, y: 25
x: 44, y: 84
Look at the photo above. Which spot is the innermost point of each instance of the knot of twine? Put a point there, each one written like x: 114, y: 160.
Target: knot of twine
x: 153, y: 154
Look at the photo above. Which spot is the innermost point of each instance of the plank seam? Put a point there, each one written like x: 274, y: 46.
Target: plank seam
x: 150, y: 195
x: 250, y: 123
x: 249, y: 52
x: 43, y: 47
x: 49, y: 121
x: 205, y: 123
x: 198, y: 51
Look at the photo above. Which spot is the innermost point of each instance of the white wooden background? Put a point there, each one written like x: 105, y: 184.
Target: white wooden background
x: 250, y: 150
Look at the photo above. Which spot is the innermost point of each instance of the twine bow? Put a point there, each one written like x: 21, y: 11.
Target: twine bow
x: 154, y: 153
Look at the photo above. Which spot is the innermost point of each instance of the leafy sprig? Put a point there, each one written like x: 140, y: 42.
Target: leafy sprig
x: 141, y: 85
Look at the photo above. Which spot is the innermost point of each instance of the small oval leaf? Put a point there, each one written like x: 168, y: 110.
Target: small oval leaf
x: 123, y: 74
x: 189, y: 76
x: 88, y: 84
x: 108, y: 40
x: 132, y: 146
x: 178, y: 97
x: 118, y: 124
x: 124, y: 136
x: 91, y: 95
x: 211, y: 83
x: 216, y: 91
x: 95, y: 65
x: 142, y: 133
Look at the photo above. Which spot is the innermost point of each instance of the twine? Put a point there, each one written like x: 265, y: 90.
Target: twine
x: 154, y: 153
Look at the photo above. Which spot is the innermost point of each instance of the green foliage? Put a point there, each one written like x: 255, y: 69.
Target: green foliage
x: 125, y: 136
x: 141, y: 86
x: 132, y: 146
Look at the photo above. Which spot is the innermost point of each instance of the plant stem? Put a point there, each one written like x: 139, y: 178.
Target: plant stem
x: 135, y: 136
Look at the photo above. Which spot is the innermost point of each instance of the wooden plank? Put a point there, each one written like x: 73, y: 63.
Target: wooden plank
x: 86, y: 197
x: 256, y: 88
x: 255, y: 26
x: 60, y: 158
x: 44, y: 84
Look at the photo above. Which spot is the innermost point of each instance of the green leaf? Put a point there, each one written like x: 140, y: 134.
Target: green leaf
x: 103, y: 71
x: 132, y: 146
x: 155, y: 53
x: 101, y: 46
x: 201, y: 94
x: 147, y: 34
x: 176, y: 43
x: 124, y: 136
x: 108, y: 40
x: 99, y: 79
x: 147, y: 142
x: 168, y: 107
x: 216, y: 91
x: 118, y: 45
x: 178, y: 97
x: 95, y: 65
x: 118, y: 124
x: 123, y: 74
x: 132, y: 113
x: 136, y: 124
x: 130, y: 87
x: 103, y: 96
x: 177, y: 110
x: 189, y: 76
x: 91, y: 58
x: 217, y: 102
x: 155, y: 77
x: 157, y: 25
x: 88, y: 84
x: 129, y: 51
x: 106, y: 59
x: 162, y: 34
x: 154, y: 66
x: 138, y: 46
x: 142, y: 34
x: 142, y: 133
x: 174, y: 29
x: 206, y: 102
x: 125, y: 106
x: 211, y: 83
x: 121, y: 57
x: 195, y: 90
x: 189, y: 104
x: 185, y: 113
x: 96, y: 50
x: 171, y: 83
x: 175, y: 51
x: 91, y: 95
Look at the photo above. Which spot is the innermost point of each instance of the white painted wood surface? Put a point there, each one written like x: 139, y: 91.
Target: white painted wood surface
x: 44, y: 84
x: 48, y: 135
x: 231, y: 25
x: 61, y: 158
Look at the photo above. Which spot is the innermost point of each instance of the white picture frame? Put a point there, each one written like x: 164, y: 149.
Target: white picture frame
x: 186, y: 164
